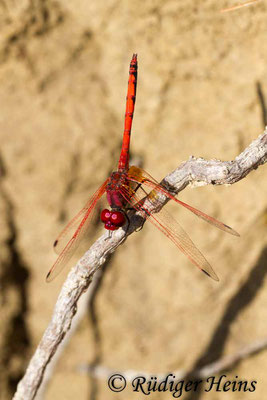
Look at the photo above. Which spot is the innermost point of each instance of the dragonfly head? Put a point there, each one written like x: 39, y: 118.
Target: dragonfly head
x: 113, y: 220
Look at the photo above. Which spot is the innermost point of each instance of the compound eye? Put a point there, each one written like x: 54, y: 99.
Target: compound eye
x: 105, y: 215
x: 117, y: 218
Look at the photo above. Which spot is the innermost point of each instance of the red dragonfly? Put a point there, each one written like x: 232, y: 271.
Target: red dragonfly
x: 123, y: 189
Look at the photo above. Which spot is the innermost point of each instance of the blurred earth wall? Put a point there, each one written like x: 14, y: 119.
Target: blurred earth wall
x: 63, y: 79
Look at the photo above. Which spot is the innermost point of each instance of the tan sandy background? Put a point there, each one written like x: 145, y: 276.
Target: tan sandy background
x: 63, y: 77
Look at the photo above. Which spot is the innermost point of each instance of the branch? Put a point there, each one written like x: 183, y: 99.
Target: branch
x: 195, y: 171
x: 200, y: 172
x: 222, y: 364
x: 82, y: 310
x: 229, y: 361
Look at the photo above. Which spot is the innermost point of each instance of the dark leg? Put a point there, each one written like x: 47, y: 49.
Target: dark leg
x: 109, y: 235
x: 141, y: 227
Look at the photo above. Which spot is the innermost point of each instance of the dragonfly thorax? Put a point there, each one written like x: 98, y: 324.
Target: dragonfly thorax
x: 115, y: 218
x: 118, y: 181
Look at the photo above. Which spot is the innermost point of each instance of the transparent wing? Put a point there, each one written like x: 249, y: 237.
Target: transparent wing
x: 67, y: 233
x: 138, y: 175
x: 68, y: 243
x: 172, y: 229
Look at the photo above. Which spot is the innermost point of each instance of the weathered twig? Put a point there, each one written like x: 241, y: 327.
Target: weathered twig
x: 229, y: 361
x: 223, y: 364
x: 82, y: 309
x: 195, y: 171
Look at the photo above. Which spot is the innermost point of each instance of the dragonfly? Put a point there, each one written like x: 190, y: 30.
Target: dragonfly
x: 122, y: 189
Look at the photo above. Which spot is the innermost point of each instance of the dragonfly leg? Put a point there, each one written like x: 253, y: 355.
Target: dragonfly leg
x: 139, y: 185
x: 141, y: 227
x: 128, y: 224
x: 122, y: 240
x: 143, y: 222
x: 109, y: 235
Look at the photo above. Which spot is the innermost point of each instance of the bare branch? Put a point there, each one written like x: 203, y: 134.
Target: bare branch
x: 227, y: 362
x: 223, y: 364
x: 75, y: 285
x: 200, y: 172
x: 82, y: 310
x: 195, y: 171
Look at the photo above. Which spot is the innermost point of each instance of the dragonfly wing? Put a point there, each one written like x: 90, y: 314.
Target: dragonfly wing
x: 67, y: 233
x: 173, y: 230
x: 138, y: 175
x: 82, y: 220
